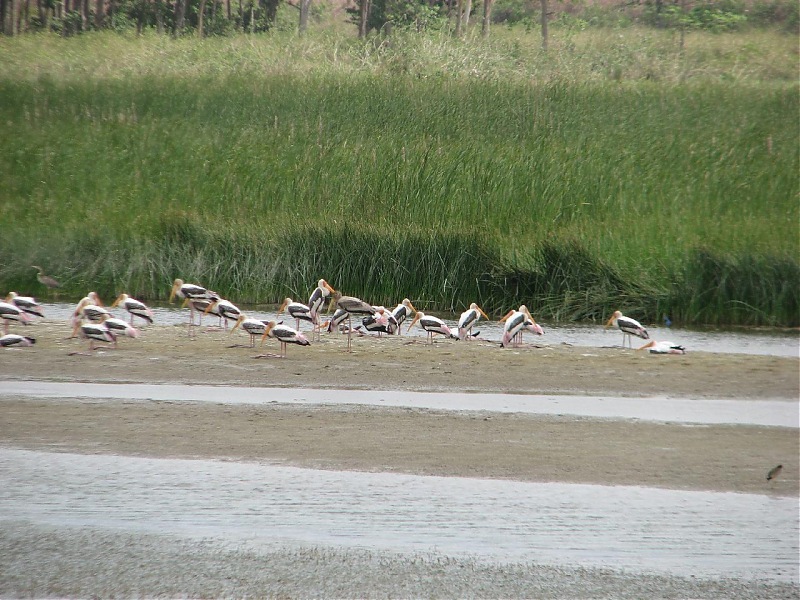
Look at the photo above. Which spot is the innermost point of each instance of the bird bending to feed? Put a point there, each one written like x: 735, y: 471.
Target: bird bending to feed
x: 663, y: 347
x: 297, y: 310
x: 285, y: 335
x: 45, y: 280
x: 339, y: 317
x: 224, y: 309
x: 468, y: 319
x: 353, y: 306
x: 381, y: 322
x: 402, y: 311
x: 628, y: 327
x: 253, y: 327
x: 774, y: 472
x: 134, y: 307
x: 12, y: 340
x: 26, y: 303
x: 10, y: 312
x: 191, y: 292
x: 97, y: 332
x: 517, y: 321
x: 119, y: 327
x: 315, y: 302
x: 431, y: 325
x: 90, y: 308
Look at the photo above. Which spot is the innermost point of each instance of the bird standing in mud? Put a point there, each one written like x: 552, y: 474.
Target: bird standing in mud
x: 431, y: 325
x: 315, y: 302
x: 517, y: 321
x: 134, y: 307
x: 468, y: 319
x: 285, y: 335
x: 628, y: 327
x: 353, y: 306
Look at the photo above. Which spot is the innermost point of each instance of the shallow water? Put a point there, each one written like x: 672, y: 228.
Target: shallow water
x: 770, y: 413
x: 259, y: 506
x: 762, y: 342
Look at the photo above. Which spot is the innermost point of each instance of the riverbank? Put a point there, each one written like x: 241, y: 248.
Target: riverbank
x: 478, y: 444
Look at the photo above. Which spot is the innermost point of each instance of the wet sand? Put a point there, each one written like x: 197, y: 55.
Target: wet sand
x: 418, y: 441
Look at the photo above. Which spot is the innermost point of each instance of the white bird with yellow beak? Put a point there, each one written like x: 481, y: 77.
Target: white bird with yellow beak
x: 431, y: 325
x: 285, y: 335
x: 468, y: 319
x: 628, y: 327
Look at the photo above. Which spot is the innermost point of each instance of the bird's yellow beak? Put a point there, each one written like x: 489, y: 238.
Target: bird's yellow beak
x: 610, y: 321
x: 329, y: 288
x: 485, y: 316
x: 649, y: 344
x: 283, y: 306
x: 416, y: 318
x: 267, y: 329
x: 505, y: 318
x: 411, y: 306
x: 238, y: 322
x: 117, y: 301
x: 175, y: 288
x: 209, y: 307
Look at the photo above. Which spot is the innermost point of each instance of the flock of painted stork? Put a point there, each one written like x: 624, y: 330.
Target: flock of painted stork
x: 93, y: 322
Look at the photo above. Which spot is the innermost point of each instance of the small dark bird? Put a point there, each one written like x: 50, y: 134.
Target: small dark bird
x: 45, y: 280
x: 774, y: 472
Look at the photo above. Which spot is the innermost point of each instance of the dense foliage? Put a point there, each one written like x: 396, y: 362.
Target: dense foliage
x: 606, y: 174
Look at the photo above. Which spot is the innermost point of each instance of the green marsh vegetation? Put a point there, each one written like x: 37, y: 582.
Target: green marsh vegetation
x: 614, y: 171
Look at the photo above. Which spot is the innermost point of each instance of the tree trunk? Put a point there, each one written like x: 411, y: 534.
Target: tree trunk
x: 363, y: 17
x: 487, y: 17
x: 544, y: 25
x: 200, y: 18
x: 13, y: 28
x: 459, y: 8
x: 305, y: 9
x: 180, y: 16
x: 99, y: 13
x: 465, y: 16
x: 159, y: 8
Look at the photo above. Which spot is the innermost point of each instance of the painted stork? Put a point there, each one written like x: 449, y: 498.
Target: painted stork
x: 12, y: 340
x: 315, y: 302
x: 11, y: 312
x: 45, y: 280
x: 381, y: 322
x: 468, y: 319
x: 285, y: 335
x: 339, y: 317
x: 26, y: 303
x: 189, y: 292
x: 224, y: 309
x: 253, y: 327
x: 88, y: 308
x: 628, y: 327
x: 353, y: 306
x: 431, y: 325
x: 134, y: 307
x: 517, y: 321
x: 296, y: 310
x: 97, y: 332
x: 402, y: 311
x: 663, y: 347
x: 120, y: 327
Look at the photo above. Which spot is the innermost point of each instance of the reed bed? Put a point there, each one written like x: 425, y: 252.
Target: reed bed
x: 256, y: 165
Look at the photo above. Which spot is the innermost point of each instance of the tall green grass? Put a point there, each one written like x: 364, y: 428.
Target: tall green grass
x: 574, y: 195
